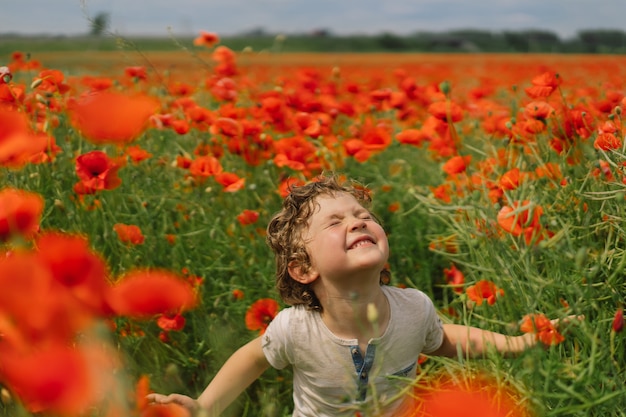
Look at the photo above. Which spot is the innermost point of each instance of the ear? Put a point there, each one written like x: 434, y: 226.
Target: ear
x: 297, y: 273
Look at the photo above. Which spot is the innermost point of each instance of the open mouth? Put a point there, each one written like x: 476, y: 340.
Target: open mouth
x: 362, y: 243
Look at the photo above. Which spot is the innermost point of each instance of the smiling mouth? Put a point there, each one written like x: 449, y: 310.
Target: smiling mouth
x: 362, y: 243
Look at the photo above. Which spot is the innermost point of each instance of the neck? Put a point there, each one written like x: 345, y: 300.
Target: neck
x: 345, y: 313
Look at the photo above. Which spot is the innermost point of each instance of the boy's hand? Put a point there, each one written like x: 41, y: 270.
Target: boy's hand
x: 182, y: 400
x: 571, y: 319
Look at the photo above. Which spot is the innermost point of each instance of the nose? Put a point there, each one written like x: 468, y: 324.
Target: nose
x: 358, y: 224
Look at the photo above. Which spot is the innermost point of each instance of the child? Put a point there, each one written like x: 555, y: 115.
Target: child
x: 352, y: 341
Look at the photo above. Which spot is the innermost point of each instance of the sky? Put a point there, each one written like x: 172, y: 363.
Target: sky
x: 340, y: 17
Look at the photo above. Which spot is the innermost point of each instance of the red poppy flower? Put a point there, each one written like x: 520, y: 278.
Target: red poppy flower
x: 168, y: 323
x: 260, y: 314
x: 207, y: 39
x: 183, y: 162
x: 521, y: 219
x: 248, y: 217
x: 129, y: 233
x: 137, y: 154
x: 137, y: 72
x: 510, y: 180
x: 456, y: 164
x: 543, y: 85
x: 238, y: 294
x: 484, y: 290
x: 224, y: 89
x: 205, y: 166
x: 55, y: 379
x: 308, y: 124
x: 25, y: 283
x: 542, y: 327
x: 226, y: 126
x: 607, y: 142
x: 51, y: 81
x: 165, y: 410
x: 446, y: 111
x: 230, y: 181
x: 618, y: 321
x: 371, y: 138
x: 538, y: 110
x: 20, y: 213
x: 394, y: 207
x: 82, y: 272
x: 18, y: 144
x: 112, y: 117
x: 225, y: 57
x: 96, y: 172
x: 146, y: 293
x: 413, y: 137
x: 442, y: 192
x: 294, y: 152
x: 460, y: 396
x: 455, y: 278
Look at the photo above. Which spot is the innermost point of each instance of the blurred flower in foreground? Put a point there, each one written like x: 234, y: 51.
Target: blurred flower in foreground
x: 19, y: 144
x: 20, y: 212
x: 260, y: 314
x: 143, y: 294
x: 464, y: 396
x: 545, y: 331
x: 155, y: 410
x: 111, y: 117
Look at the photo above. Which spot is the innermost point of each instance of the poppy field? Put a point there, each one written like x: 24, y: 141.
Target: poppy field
x: 135, y: 189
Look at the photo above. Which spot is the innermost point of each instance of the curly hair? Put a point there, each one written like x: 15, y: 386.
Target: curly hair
x: 285, y: 235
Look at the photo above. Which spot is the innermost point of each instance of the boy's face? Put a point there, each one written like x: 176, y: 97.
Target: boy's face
x: 343, y: 239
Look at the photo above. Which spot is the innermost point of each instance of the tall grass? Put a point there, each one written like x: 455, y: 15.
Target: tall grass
x: 576, y: 269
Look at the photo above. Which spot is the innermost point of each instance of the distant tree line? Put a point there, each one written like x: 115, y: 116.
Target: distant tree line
x: 594, y: 41
x: 611, y: 41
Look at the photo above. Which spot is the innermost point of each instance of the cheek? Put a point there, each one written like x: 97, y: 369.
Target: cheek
x: 325, y: 246
x: 382, y: 237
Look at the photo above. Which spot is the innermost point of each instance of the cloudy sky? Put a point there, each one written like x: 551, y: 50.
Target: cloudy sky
x: 184, y: 17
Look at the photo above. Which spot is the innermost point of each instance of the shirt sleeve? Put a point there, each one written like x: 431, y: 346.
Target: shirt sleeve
x: 433, y: 327
x: 275, y: 340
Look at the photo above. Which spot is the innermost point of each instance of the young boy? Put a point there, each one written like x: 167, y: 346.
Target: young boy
x: 352, y: 341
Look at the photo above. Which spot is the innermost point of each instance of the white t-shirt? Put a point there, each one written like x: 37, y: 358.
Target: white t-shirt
x: 331, y: 377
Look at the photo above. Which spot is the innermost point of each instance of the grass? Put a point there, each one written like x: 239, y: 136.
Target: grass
x: 577, y: 268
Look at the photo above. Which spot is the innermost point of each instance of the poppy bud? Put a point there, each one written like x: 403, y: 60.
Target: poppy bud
x: 445, y: 87
x: 36, y: 83
x: 5, y: 75
x: 618, y: 320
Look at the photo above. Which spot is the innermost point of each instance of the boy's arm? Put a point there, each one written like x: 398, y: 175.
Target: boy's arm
x: 244, y: 367
x: 476, y: 343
